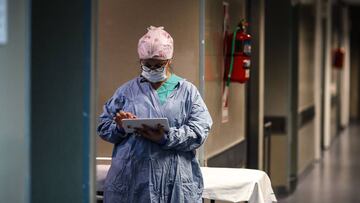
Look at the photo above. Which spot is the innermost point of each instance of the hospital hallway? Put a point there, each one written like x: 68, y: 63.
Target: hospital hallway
x: 259, y: 101
x: 335, y: 178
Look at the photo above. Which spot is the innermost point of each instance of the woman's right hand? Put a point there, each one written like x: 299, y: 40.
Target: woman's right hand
x: 123, y: 115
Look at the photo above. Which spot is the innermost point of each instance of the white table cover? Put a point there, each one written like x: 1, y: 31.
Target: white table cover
x: 237, y: 185
x: 227, y: 184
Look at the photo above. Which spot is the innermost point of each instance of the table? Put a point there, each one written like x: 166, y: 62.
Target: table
x: 227, y: 184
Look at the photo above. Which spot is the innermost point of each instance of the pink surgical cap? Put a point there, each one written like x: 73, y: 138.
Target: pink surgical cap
x: 156, y: 43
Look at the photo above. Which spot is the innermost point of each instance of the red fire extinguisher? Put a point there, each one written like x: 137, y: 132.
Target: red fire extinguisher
x: 338, y: 58
x: 237, y: 64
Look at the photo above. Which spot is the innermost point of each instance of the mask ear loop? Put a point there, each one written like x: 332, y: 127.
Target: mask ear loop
x: 170, y: 66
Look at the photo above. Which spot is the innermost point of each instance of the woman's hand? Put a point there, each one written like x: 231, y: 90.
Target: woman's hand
x: 153, y: 134
x: 123, y: 115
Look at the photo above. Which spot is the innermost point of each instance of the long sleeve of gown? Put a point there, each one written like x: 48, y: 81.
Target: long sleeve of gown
x: 107, y: 129
x: 194, y: 132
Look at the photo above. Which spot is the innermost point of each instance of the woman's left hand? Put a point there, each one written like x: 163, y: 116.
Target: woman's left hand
x: 153, y: 134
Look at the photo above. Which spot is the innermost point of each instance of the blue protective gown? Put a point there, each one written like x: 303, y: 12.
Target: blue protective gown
x: 144, y: 171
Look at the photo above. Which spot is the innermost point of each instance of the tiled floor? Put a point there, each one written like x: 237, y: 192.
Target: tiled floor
x: 336, y: 178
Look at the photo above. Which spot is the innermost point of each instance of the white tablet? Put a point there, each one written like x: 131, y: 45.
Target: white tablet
x: 129, y: 125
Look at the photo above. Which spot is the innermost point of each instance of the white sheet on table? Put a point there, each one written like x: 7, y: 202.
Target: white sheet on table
x: 101, y: 172
x: 227, y: 184
x: 236, y: 185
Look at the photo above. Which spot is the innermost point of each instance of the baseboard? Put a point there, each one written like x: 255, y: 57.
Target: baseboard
x: 281, y: 191
x: 306, y: 171
x: 234, y: 157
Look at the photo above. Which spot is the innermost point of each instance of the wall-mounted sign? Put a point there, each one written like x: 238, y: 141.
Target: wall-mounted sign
x: 3, y: 22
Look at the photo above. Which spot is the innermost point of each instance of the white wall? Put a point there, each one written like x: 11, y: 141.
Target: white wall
x: 306, y: 57
x: 122, y: 23
x: 223, y: 135
x: 14, y: 106
x: 318, y: 66
x: 327, y: 76
x: 345, y: 76
x: 306, y: 149
x: 306, y: 134
x: 354, y: 77
x: 354, y: 64
x: 278, y: 62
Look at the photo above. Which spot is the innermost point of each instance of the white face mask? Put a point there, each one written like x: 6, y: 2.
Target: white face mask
x: 154, y: 76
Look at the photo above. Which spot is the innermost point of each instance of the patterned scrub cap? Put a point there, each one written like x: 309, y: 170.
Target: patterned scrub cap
x: 156, y: 43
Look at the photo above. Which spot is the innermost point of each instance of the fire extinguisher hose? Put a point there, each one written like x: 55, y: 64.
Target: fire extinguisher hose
x: 232, y: 56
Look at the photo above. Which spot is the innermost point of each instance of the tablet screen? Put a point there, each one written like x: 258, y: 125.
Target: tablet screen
x: 129, y: 125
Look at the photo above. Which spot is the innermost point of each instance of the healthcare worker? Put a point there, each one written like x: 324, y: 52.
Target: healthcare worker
x: 153, y: 165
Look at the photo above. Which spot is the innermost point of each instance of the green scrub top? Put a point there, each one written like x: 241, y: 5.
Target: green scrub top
x: 167, y: 87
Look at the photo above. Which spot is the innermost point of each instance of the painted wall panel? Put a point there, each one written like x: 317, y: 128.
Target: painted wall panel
x: 122, y: 23
x: 279, y: 163
x: 306, y: 134
x: 306, y: 57
x: 223, y: 135
x: 60, y: 86
x: 306, y: 148
x: 14, y: 105
x: 118, y: 61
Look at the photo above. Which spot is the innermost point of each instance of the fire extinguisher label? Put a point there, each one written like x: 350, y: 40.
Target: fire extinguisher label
x: 247, y: 73
x: 247, y: 47
x: 247, y: 63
